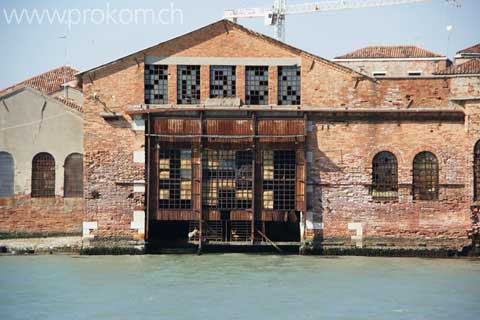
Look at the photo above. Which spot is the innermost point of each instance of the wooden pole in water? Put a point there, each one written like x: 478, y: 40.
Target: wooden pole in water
x: 270, y: 241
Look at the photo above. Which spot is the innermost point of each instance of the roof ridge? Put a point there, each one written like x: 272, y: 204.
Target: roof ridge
x: 28, y: 81
x: 69, y: 103
x: 472, y: 66
x: 469, y: 48
x: 390, y: 51
x: 227, y: 24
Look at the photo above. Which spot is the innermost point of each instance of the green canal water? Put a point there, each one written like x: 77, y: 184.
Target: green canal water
x: 237, y: 286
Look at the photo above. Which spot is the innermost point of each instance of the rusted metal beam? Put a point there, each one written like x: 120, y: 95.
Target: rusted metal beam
x: 225, y: 136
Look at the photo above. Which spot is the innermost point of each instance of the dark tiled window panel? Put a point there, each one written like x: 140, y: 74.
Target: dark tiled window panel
x: 188, y: 84
x: 43, y: 175
x: 175, y: 179
x: 289, y: 85
x: 156, y: 84
x: 256, y: 85
x: 425, y: 176
x: 228, y: 179
x: 384, y: 176
x: 6, y: 174
x: 279, y: 178
x: 476, y: 172
x: 73, y: 177
x: 222, y: 81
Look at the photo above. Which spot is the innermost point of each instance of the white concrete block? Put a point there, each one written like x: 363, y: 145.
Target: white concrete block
x: 138, y: 123
x: 139, y: 156
x: 310, y: 225
x: 358, y: 228
x: 87, y: 228
x: 139, y: 186
x: 138, y: 221
x: 309, y: 126
x: 309, y: 156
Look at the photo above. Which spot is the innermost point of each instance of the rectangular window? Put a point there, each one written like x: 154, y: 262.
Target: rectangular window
x: 228, y: 179
x: 279, y: 179
x: 414, y: 73
x: 222, y: 81
x: 289, y: 85
x: 188, y: 84
x: 379, y: 73
x: 175, y: 179
x: 156, y: 84
x: 256, y: 85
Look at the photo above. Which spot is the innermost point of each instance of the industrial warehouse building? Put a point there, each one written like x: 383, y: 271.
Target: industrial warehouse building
x: 227, y: 137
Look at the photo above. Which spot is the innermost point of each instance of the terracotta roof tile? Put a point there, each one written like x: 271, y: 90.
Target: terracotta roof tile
x: 69, y: 103
x: 48, y: 82
x: 473, y: 49
x: 469, y: 67
x: 382, y: 52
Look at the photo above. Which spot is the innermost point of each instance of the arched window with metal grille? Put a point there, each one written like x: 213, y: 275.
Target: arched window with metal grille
x: 73, y: 177
x: 384, y: 176
x: 43, y: 175
x: 476, y: 171
x: 6, y: 175
x: 425, y: 176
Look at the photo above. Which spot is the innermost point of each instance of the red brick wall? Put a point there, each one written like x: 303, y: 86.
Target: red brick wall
x: 26, y: 215
x: 341, y: 175
x: 108, y: 150
x: 342, y: 150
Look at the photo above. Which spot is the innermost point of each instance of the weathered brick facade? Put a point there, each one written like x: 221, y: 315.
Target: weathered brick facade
x: 350, y: 117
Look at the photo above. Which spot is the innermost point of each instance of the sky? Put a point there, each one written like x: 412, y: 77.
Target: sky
x: 92, y: 38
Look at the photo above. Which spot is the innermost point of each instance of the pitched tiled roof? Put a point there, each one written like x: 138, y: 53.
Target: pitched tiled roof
x: 385, y: 52
x: 69, y: 103
x: 48, y: 82
x: 473, y: 49
x: 469, y: 67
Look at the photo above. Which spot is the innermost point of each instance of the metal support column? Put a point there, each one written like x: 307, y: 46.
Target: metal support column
x: 147, y: 178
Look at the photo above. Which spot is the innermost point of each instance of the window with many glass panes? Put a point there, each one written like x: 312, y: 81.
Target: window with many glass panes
x: 222, y: 81
x: 289, y: 85
x: 256, y: 85
x: 279, y: 179
x: 175, y: 179
x: 156, y: 84
x: 43, y: 175
x: 384, y: 176
x: 425, y: 176
x: 188, y: 84
x: 228, y: 179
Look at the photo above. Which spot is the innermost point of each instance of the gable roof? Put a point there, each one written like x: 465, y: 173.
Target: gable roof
x: 68, y: 103
x: 475, y: 49
x: 469, y: 67
x: 47, y: 82
x: 229, y: 25
x: 390, y: 52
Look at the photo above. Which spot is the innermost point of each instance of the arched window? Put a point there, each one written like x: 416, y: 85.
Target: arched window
x: 425, y: 176
x: 73, y: 178
x: 384, y: 176
x: 476, y: 171
x: 6, y: 175
x: 43, y: 175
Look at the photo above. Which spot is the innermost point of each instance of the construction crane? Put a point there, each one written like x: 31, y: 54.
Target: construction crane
x: 275, y: 16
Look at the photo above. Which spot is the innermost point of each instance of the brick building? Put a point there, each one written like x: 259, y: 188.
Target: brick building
x: 41, y: 146
x: 468, y: 54
x: 230, y: 137
x: 394, y: 61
